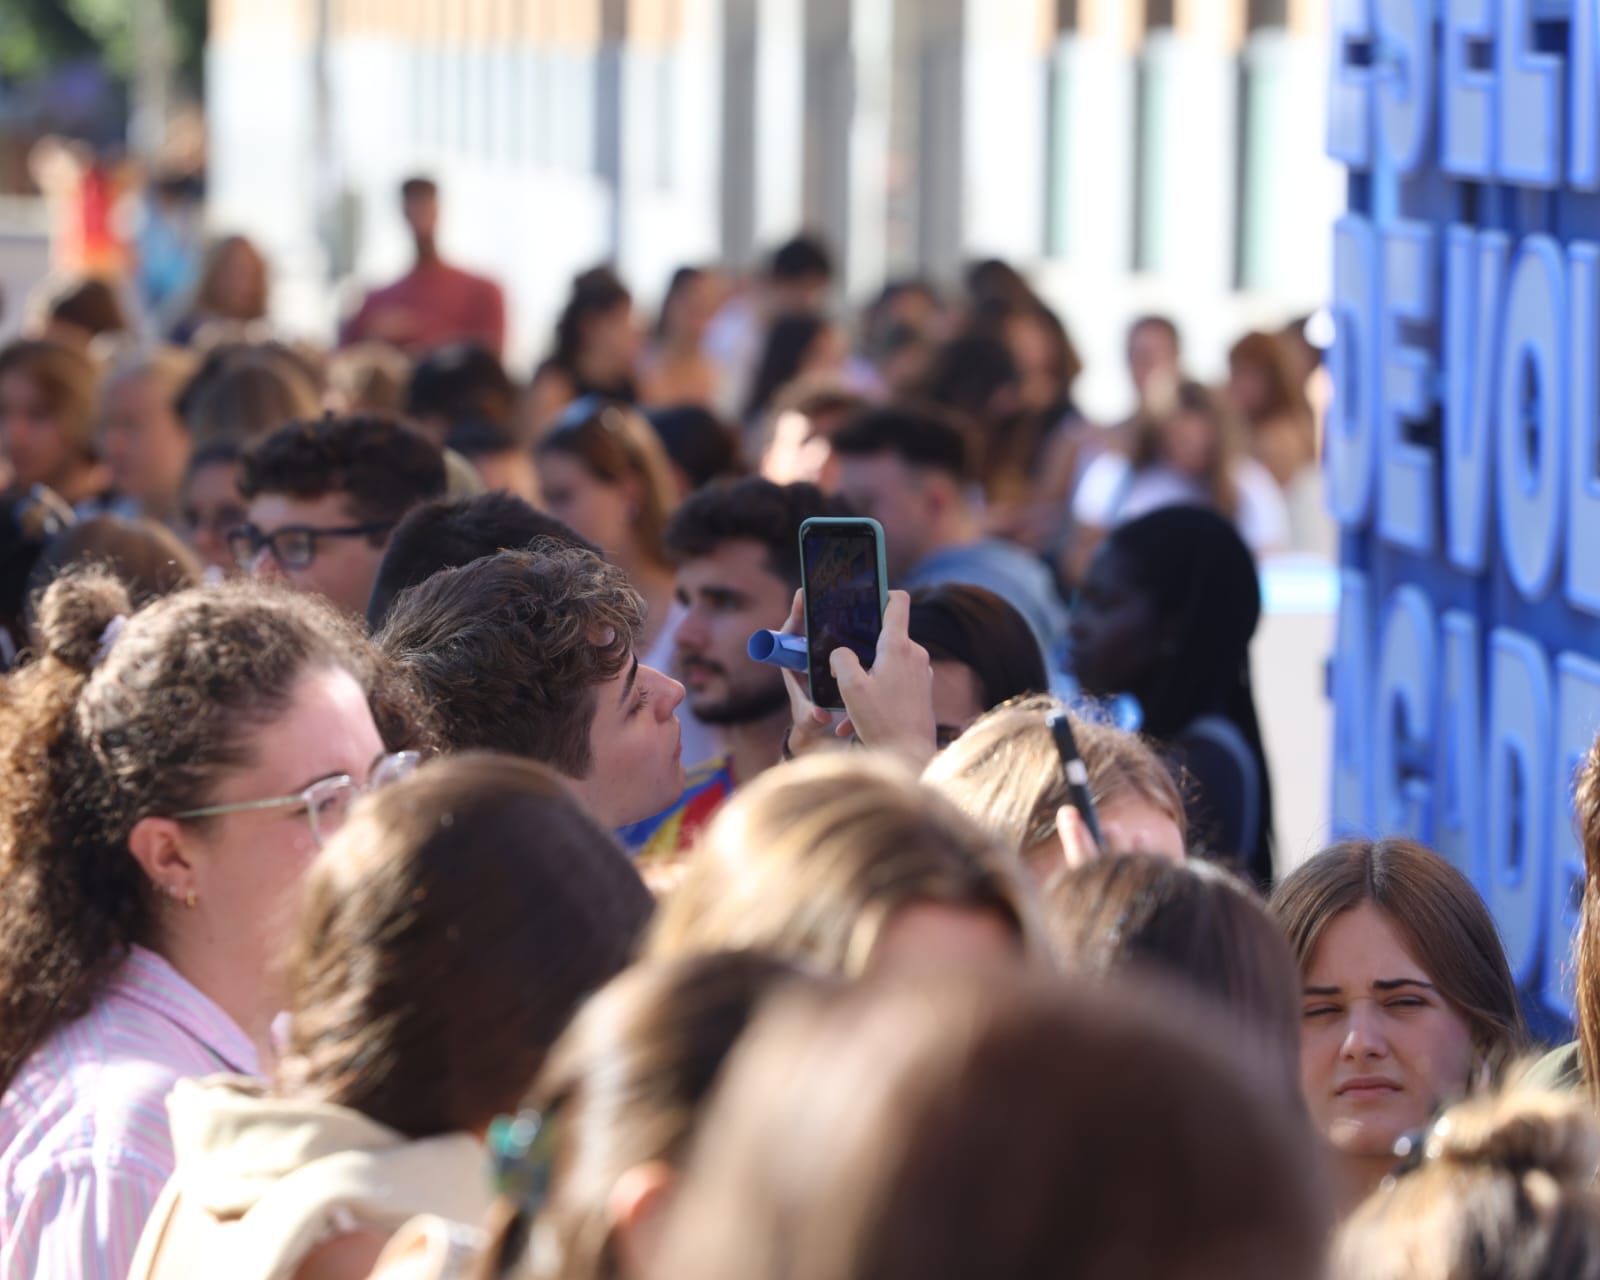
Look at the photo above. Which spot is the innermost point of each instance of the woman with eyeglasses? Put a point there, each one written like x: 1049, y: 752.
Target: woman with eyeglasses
x: 165, y: 779
x: 446, y: 936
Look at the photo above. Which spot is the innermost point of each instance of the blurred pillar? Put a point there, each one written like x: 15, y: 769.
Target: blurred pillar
x: 152, y: 78
x: 763, y: 126
x: 1188, y: 112
x: 985, y: 70
x: 848, y: 94
x: 661, y: 104
x: 1094, y: 89
x: 1285, y: 102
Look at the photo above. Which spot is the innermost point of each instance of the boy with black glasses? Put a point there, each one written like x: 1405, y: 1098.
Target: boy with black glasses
x: 324, y: 497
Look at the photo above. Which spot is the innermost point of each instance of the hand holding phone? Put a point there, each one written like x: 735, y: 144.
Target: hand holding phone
x: 891, y: 706
x: 845, y: 585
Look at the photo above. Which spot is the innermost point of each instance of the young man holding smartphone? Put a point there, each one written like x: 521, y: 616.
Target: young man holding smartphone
x: 737, y: 550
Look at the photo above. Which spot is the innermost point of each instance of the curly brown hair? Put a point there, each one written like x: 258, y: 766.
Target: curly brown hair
x: 90, y: 744
x: 508, y: 650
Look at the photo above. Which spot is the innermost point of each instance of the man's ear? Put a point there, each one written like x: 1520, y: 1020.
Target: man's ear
x: 940, y: 493
x: 157, y: 845
x: 638, y: 1206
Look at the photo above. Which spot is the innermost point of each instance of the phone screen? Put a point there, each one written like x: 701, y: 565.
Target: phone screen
x: 844, y: 599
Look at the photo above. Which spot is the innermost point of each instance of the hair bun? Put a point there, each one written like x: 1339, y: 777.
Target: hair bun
x: 1522, y: 1131
x: 75, y: 611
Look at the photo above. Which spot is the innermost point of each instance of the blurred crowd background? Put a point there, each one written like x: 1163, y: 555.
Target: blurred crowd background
x: 232, y: 171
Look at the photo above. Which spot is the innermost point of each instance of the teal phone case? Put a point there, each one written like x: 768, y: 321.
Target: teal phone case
x: 883, y: 580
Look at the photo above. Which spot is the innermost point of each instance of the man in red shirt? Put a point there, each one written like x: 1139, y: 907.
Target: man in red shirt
x: 433, y: 303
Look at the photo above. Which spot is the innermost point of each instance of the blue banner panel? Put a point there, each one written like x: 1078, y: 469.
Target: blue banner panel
x: 1463, y: 446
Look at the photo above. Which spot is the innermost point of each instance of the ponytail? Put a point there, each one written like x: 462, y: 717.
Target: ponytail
x: 68, y: 912
x: 114, y: 722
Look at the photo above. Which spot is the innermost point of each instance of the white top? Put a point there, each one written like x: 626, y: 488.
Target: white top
x: 1112, y: 493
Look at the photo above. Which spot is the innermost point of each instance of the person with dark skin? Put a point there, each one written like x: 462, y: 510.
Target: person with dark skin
x: 1166, y: 615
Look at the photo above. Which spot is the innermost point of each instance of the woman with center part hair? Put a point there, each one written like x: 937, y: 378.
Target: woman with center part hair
x: 446, y: 936
x: 165, y: 779
x: 845, y: 861
x: 1005, y: 772
x: 1407, y: 1003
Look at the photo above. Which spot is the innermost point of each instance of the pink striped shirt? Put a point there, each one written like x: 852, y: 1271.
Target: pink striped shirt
x: 84, y: 1143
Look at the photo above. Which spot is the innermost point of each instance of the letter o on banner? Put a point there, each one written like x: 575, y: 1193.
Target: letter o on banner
x: 1530, y: 474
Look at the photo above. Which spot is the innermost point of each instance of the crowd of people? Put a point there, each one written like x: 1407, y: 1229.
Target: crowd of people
x: 405, y: 870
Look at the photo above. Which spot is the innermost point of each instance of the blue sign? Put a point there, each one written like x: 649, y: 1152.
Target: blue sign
x: 1463, y: 447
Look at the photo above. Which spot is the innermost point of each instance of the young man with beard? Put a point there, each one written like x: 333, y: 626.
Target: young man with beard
x: 737, y: 548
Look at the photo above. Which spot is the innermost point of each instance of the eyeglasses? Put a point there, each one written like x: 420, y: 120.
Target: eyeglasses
x: 327, y: 801
x: 294, y: 546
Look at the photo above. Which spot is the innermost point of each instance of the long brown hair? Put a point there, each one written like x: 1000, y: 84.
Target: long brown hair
x: 1267, y: 354
x: 625, y: 1086
x: 812, y: 859
x: 945, y: 1129
x: 447, y: 934
x: 1437, y: 913
x: 208, y: 295
x: 1150, y: 426
x: 101, y: 730
x: 1191, y: 921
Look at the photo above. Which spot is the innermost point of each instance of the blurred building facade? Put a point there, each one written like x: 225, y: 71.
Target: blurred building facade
x: 1131, y: 154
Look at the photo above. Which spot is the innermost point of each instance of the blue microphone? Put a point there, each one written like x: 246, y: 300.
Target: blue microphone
x: 788, y: 652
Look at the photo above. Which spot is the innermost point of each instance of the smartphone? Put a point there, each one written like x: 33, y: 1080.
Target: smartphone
x: 846, y: 588
x: 1076, y: 773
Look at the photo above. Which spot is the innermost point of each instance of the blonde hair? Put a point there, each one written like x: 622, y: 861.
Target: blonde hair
x: 812, y: 859
x: 1504, y: 1188
x: 1004, y: 771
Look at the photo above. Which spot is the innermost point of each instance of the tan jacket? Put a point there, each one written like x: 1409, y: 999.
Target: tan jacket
x: 261, y: 1181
